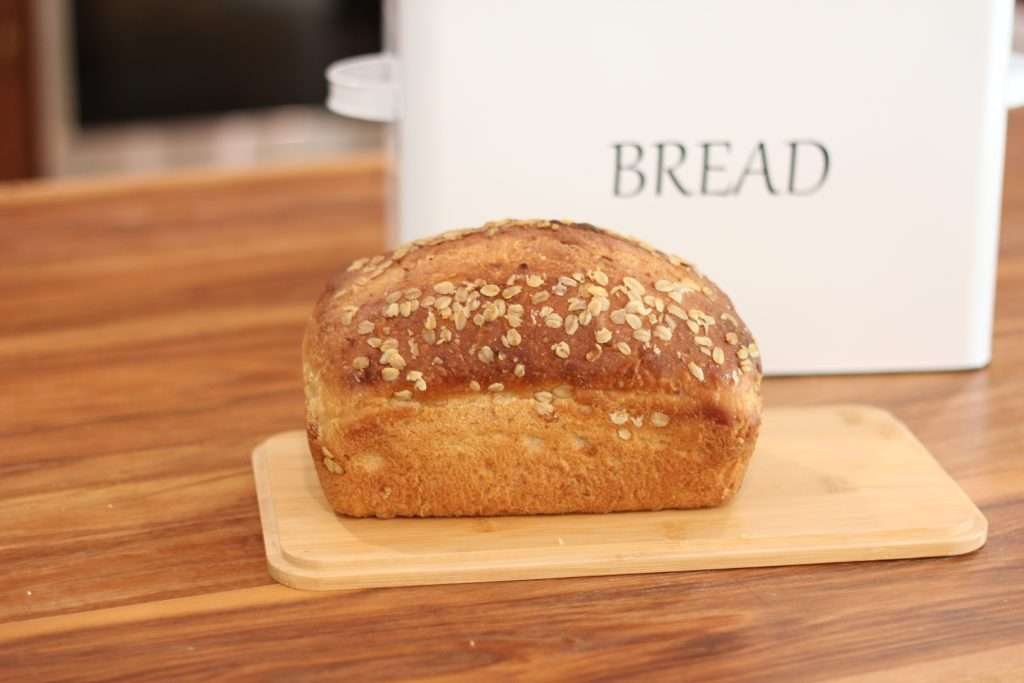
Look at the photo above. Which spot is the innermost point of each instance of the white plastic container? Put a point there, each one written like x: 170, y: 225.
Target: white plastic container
x: 836, y: 167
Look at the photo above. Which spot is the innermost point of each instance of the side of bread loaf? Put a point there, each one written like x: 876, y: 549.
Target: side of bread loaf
x: 528, y: 367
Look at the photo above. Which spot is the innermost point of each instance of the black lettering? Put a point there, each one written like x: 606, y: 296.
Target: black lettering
x: 761, y: 153
x: 825, y: 164
x: 620, y: 168
x: 669, y: 170
x: 708, y: 168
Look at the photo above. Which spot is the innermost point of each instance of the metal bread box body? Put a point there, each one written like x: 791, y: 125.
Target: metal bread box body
x: 835, y: 167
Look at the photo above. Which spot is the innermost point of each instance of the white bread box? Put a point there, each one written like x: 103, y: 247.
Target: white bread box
x: 836, y: 167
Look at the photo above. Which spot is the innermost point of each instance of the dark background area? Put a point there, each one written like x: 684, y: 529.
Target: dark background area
x: 171, y: 58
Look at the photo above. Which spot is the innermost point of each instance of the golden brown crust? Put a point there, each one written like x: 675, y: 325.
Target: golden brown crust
x: 528, y: 367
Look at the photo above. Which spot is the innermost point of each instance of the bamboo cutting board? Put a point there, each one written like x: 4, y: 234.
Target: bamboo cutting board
x: 827, y: 484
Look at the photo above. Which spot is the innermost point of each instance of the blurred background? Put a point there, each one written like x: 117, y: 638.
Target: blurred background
x: 92, y: 87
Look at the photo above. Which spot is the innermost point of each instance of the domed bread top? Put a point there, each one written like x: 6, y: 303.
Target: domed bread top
x: 519, y: 304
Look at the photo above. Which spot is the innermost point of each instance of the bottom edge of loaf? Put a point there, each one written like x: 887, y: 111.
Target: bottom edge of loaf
x: 544, y: 488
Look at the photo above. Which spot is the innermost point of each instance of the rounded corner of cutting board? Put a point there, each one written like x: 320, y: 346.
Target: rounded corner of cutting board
x: 969, y: 536
x: 285, y: 573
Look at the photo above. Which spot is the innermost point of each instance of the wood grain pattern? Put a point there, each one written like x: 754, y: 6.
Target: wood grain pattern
x: 828, y: 484
x: 148, y: 340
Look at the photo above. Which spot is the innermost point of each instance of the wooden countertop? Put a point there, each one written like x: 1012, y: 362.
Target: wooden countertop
x: 149, y: 338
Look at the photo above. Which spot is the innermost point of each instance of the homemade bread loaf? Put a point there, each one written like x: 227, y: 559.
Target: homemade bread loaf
x: 528, y: 367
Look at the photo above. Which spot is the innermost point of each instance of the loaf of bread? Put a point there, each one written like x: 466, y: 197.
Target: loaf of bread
x: 528, y: 367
